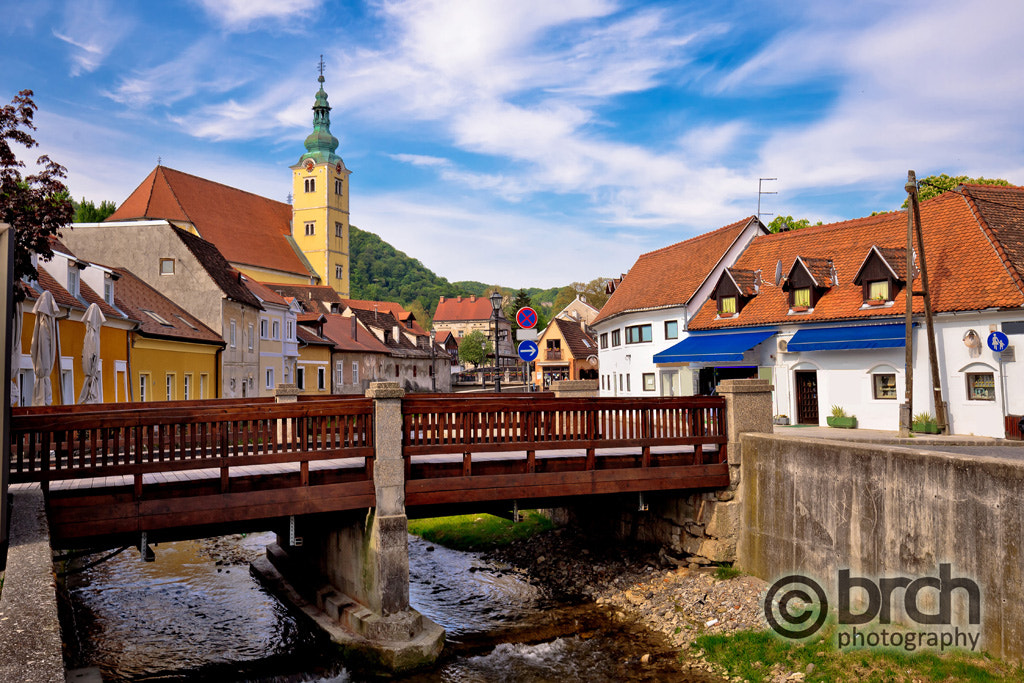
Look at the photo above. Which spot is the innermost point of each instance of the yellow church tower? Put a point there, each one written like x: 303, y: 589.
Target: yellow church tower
x: 320, y: 222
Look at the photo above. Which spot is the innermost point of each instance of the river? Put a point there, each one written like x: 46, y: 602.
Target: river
x: 196, y: 614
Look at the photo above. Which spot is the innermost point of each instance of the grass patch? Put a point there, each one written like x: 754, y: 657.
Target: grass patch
x: 751, y: 656
x: 479, y: 532
x: 724, y: 572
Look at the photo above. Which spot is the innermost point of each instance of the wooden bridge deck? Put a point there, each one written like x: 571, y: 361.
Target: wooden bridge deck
x: 117, y: 471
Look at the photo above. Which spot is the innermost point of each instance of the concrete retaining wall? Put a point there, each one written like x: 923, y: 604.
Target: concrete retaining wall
x: 815, y: 507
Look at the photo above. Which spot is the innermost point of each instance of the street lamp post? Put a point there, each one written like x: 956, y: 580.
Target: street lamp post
x: 433, y: 369
x: 496, y: 306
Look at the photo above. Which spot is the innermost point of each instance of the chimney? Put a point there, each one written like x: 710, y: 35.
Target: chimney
x: 472, y: 298
x: 395, y: 333
x: 355, y: 328
x: 441, y: 301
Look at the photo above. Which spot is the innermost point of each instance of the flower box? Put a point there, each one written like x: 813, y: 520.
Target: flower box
x: 800, y: 309
x: 876, y: 302
x: 842, y: 422
x: 925, y: 427
x: 780, y: 420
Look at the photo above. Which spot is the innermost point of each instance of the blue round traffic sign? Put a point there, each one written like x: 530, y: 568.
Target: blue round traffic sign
x: 528, y: 350
x: 526, y: 317
x: 997, y: 341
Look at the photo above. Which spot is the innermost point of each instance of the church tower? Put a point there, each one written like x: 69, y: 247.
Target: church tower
x: 320, y: 223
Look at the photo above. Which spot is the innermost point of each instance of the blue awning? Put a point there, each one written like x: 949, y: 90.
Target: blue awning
x: 711, y: 347
x: 888, y: 336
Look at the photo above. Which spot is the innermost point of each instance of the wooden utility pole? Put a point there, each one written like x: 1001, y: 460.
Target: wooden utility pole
x: 933, y: 356
x: 907, y: 409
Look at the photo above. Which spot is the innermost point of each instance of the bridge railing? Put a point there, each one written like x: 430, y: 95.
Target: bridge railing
x: 460, y: 425
x: 68, y: 442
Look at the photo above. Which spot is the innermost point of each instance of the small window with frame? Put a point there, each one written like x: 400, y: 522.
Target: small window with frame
x: 878, y: 291
x: 727, y: 305
x: 167, y: 266
x: 648, y: 381
x: 671, y: 329
x: 981, y: 386
x: 884, y: 384
x: 802, y: 297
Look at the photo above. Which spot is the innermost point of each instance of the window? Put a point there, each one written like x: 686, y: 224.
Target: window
x: 884, y: 385
x: 338, y: 186
x: 604, y: 340
x: 300, y: 378
x: 231, y: 335
x: 616, y: 337
x: 251, y: 335
x: 186, y: 322
x: 648, y: 381
x: 169, y: 385
x: 355, y: 372
x: 167, y: 266
x: 671, y: 329
x: 108, y: 291
x: 636, y: 334
x: 264, y: 325
x: 270, y: 378
x: 339, y: 271
x: 981, y: 386
x: 726, y: 305
x: 878, y: 291
x: 291, y: 330
x: 187, y: 395
x: 321, y: 378
x: 144, y: 387
x: 802, y: 297
x: 73, y: 280
x: 157, y: 317
x: 627, y: 383
x: 277, y: 329
x: 310, y: 184
x: 620, y: 382
x: 339, y: 374
x: 339, y: 230
x: 203, y: 383
x: 311, y: 228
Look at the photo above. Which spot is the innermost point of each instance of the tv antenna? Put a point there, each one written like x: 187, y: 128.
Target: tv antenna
x: 761, y: 192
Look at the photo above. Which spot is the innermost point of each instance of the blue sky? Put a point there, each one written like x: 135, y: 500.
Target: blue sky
x: 536, y: 142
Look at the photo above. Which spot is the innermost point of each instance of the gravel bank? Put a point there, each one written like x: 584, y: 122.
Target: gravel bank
x: 659, y: 591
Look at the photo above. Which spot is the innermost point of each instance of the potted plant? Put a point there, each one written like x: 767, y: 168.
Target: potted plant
x: 840, y: 419
x: 781, y: 420
x: 924, y: 423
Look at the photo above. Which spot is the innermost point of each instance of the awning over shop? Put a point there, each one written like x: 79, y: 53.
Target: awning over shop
x: 713, y: 347
x: 888, y: 336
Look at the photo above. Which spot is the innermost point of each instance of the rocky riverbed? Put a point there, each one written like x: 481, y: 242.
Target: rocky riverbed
x: 665, y: 594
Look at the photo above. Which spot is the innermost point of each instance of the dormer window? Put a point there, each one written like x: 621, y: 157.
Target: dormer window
x: 735, y: 288
x: 802, y: 297
x: 878, y: 290
x: 73, y: 280
x: 108, y: 291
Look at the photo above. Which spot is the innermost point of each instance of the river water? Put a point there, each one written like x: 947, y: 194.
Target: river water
x: 196, y: 614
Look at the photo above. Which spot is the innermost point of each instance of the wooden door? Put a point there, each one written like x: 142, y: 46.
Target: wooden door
x: 806, y: 397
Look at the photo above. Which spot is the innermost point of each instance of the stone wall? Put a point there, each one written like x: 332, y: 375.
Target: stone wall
x: 815, y: 507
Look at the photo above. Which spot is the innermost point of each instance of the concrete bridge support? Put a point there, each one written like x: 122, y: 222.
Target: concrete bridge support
x: 351, y: 574
x: 703, y: 527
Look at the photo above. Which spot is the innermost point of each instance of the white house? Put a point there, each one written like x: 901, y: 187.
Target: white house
x: 652, y: 306
x: 819, y: 311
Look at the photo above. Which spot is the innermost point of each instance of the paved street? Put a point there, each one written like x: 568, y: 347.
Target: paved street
x: 953, y: 443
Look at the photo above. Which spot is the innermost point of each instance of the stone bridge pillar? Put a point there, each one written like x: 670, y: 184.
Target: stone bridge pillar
x: 350, y: 573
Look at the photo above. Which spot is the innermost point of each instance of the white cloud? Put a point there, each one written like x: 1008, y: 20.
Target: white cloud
x: 93, y: 28
x: 421, y: 160
x: 241, y: 14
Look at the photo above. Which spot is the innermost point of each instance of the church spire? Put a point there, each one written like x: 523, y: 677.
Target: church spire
x: 320, y: 144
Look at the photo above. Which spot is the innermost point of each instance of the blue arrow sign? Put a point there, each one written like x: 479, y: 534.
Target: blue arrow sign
x: 997, y: 341
x: 528, y: 350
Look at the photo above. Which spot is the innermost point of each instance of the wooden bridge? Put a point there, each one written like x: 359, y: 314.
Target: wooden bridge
x: 179, y: 469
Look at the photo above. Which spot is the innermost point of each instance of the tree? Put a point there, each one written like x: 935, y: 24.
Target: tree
x: 36, y: 206
x: 474, y: 348
x: 87, y: 212
x: 934, y: 185
x: 789, y: 223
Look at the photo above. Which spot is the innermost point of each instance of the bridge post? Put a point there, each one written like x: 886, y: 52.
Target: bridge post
x: 351, y: 574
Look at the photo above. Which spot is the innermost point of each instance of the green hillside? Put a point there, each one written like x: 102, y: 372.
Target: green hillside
x: 380, y: 272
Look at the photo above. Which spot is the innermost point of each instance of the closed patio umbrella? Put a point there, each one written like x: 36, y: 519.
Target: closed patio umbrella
x: 16, y: 353
x: 44, y: 348
x: 94, y: 320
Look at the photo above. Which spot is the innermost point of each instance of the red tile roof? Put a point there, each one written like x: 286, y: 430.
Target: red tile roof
x: 579, y: 342
x: 1001, y: 211
x: 671, y: 275
x: 462, y: 309
x: 135, y: 297
x: 318, y: 298
x: 247, y: 228
x: 964, y: 268
x: 348, y: 335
